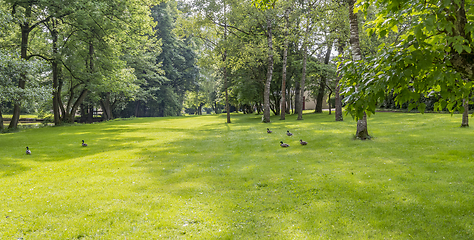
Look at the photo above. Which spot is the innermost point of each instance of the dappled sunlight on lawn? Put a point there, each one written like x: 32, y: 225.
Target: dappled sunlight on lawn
x: 198, y: 177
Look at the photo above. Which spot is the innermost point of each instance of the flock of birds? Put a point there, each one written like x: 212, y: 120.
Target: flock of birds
x: 28, y: 151
x: 288, y: 134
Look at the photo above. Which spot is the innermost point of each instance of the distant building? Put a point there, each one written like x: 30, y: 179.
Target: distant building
x: 310, y: 103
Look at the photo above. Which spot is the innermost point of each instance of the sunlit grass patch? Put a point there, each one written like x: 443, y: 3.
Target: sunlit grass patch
x: 198, y: 177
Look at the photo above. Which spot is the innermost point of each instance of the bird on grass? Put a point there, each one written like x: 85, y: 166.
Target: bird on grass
x: 283, y: 144
x: 84, y: 144
x: 28, y: 152
x: 288, y: 133
x: 303, y: 142
x: 269, y: 131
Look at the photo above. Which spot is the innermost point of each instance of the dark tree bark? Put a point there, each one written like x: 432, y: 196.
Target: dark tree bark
x: 25, y: 32
x: 137, y: 107
x: 329, y: 99
x: 79, y: 100
x: 291, y: 100
x: 275, y: 106
x: 69, y: 113
x: 465, y: 114
x: 106, y: 107
x: 338, y: 104
x: 83, y: 109
x: 285, y: 60
x: 1, y: 119
x: 296, y: 96
x: 322, y: 83
x: 337, y: 96
x: 463, y: 62
x: 303, y: 80
x: 266, y: 93
x: 320, y: 96
x: 362, y: 132
x: 55, y: 73
x: 227, y: 107
x: 90, y: 114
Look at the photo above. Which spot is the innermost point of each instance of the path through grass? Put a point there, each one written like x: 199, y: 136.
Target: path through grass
x: 197, y: 177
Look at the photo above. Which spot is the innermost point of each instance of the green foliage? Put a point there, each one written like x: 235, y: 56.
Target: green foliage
x: 264, y: 4
x: 431, y: 59
x: 11, y: 69
x: 177, y: 59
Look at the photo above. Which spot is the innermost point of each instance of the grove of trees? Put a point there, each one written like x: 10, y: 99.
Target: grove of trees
x: 166, y: 58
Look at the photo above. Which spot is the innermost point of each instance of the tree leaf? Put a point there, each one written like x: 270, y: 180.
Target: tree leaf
x: 458, y: 48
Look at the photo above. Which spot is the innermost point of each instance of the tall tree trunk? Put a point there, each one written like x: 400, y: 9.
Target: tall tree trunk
x: 465, y: 114
x: 320, y: 96
x: 337, y: 96
x: 60, y: 102
x: 462, y: 62
x: 137, y: 105
x: 1, y: 119
x: 73, y: 106
x: 338, y: 103
x: 285, y: 60
x: 322, y: 83
x: 83, y: 110
x: 266, y: 93
x: 288, y: 101
x: 362, y: 132
x: 296, y: 102
x: 55, y: 71
x: 301, y: 97
x: 303, y: 79
x: 90, y: 114
x: 25, y: 32
x: 79, y: 100
x: 227, y: 107
x: 106, y: 107
x: 329, y: 100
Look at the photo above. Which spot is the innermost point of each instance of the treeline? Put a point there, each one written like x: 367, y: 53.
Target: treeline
x: 119, y: 56
x: 152, y: 58
x: 264, y: 60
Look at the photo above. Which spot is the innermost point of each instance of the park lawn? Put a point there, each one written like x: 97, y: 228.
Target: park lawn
x: 197, y: 177
x: 21, y: 116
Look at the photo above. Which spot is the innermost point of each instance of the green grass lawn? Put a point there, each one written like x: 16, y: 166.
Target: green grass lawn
x: 197, y: 177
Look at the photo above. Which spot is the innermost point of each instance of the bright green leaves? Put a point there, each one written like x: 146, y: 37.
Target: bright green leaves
x: 422, y: 64
x: 362, y: 88
x: 264, y: 4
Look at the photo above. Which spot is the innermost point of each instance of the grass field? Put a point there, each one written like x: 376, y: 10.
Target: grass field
x: 200, y: 178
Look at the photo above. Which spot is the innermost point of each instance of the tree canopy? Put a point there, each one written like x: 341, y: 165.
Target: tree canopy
x: 433, y: 56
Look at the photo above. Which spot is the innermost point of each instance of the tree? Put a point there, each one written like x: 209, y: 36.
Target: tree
x: 285, y: 60
x: 13, y: 69
x: 28, y: 15
x: 433, y: 58
x: 362, y: 132
x: 178, y: 61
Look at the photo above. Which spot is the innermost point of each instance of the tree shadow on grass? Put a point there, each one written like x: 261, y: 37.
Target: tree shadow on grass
x: 292, y: 193
x: 235, y: 178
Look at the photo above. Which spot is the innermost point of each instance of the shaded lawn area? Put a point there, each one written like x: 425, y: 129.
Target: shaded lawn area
x: 198, y: 177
